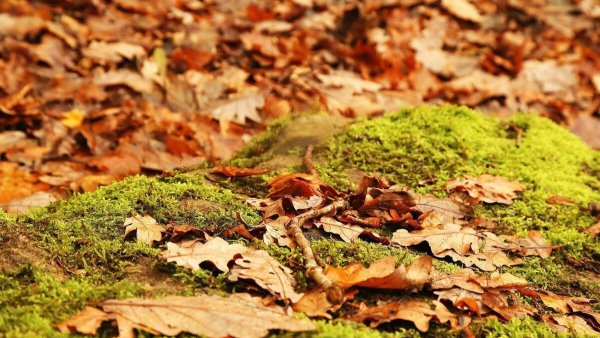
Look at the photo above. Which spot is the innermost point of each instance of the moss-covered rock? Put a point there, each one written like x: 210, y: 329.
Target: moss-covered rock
x: 54, y: 261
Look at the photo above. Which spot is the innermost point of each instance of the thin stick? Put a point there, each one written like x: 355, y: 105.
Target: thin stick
x: 335, y: 294
x: 308, y: 163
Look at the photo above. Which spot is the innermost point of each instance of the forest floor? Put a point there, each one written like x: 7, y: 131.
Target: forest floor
x: 55, y: 261
x: 467, y: 223
x: 94, y: 91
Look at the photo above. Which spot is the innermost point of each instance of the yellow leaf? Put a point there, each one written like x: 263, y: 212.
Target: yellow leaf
x: 73, y: 119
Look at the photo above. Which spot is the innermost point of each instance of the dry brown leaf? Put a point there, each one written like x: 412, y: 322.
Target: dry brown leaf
x: 486, y: 188
x: 562, y: 200
x: 314, y: 303
x: 498, y: 303
x: 594, y: 230
x: 146, y: 229
x: 113, y: 51
x: 240, y: 109
x: 463, y: 9
x: 420, y: 313
x: 564, y: 304
x: 413, y: 277
x: 231, y: 171
x: 38, y: 199
x: 267, y: 273
x: 463, y: 240
x: 348, y: 232
x: 353, y: 274
x: 533, y: 245
x: 86, y: 321
x: 444, y: 210
x: 570, y: 324
x: 124, y: 77
x: 191, y: 254
x: 239, y: 315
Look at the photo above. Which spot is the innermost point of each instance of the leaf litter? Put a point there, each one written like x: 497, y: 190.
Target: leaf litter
x: 426, y: 294
x: 86, y: 85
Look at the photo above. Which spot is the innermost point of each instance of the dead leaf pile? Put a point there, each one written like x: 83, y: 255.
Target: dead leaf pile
x: 93, y: 91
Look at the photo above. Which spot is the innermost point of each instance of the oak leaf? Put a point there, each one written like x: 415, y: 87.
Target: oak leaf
x: 420, y: 313
x: 353, y: 274
x: 463, y: 240
x: 239, y: 315
x: 413, y: 277
x: 463, y: 9
x: 240, y: 109
x: 231, y: 171
x: 486, y: 188
x: 266, y: 272
x: 191, y: 254
x: 348, y: 232
x: 145, y: 228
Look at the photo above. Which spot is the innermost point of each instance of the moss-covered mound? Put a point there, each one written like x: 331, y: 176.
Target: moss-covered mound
x: 56, y: 260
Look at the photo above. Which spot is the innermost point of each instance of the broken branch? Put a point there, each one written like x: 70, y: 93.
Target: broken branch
x: 335, y: 294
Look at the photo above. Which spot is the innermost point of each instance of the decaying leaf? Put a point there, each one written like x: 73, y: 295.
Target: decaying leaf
x: 145, y: 228
x: 191, y: 254
x: 239, y: 315
x: 418, y: 312
x: 355, y: 273
x: 230, y: 171
x: 266, y: 272
x: 240, y: 109
x: 594, y: 230
x: 463, y: 9
x: 463, y: 240
x: 486, y: 188
x: 413, y: 277
x: 348, y: 233
x: 533, y: 245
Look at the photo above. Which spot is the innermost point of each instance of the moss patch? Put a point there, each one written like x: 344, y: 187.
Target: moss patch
x: 444, y: 142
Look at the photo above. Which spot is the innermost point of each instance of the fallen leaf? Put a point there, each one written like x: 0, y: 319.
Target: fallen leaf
x: 353, y: 274
x: 417, y: 312
x: 36, y: 200
x: 533, y: 245
x: 86, y: 321
x: 113, y: 51
x: 562, y: 200
x: 463, y: 9
x: 145, y: 228
x: 349, y: 233
x: 486, y: 188
x: 413, y: 277
x: 266, y: 272
x: 231, y: 171
x: 238, y: 315
x: 594, y: 230
x: 191, y: 254
x: 240, y: 109
x: 463, y: 240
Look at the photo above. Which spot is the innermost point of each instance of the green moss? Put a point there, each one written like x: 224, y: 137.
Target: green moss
x: 85, y: 231
x: 526, y: 328
x: 32, y: 300
x: 445, y: 142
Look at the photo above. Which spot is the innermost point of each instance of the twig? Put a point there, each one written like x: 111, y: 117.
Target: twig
x: 335, y: 294
x: 308, y: 163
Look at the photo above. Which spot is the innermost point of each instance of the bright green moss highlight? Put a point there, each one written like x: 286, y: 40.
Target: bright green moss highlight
x: 85, y: 231
x: 526, y: 328
x: 31, y: 300
x: 445, y: 142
